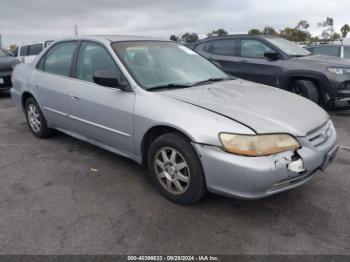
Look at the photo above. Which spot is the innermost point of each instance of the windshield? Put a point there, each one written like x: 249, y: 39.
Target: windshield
x: 288, y: 47
x: 166, y: 64
x: 2, y: 53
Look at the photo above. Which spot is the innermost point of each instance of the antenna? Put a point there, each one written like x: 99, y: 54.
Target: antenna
x: 76, y: 30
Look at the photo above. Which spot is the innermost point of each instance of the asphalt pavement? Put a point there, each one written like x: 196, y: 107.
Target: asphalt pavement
x: 64, y: 196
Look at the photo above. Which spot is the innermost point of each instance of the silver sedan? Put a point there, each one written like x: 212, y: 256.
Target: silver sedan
x: 159, y: 103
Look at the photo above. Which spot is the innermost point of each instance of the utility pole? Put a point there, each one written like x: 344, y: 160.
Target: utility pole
x: 76, y: 30
x: 0, y: 41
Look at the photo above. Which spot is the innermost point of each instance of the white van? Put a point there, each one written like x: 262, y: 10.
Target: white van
x: 27, y: 53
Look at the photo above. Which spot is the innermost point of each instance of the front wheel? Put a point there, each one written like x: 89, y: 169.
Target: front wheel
x: 36, y: 119
x: 307, y: 89
x: 175, y: 169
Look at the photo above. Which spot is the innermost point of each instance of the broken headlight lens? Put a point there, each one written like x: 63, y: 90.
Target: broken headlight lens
x: 258, y: 145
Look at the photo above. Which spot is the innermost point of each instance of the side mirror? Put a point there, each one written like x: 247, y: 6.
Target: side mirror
x: 108, y: 78
x: 272, y: 55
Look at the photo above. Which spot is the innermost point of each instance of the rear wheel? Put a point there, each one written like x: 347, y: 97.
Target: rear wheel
x: 176, y: 170
x: 307, y: 89
x: 36, y: 119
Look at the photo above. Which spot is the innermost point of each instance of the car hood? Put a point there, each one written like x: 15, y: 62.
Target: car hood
x: 325, y: 60
x: 262, y: 108
x: 8, y: 61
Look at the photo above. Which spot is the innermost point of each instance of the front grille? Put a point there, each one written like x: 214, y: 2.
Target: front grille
x: 321, y: 135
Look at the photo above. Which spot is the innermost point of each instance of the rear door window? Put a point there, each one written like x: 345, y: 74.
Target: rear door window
x: 225, y: 47
x: 23, y: 51
x: 59, y: 59
x: 35, y: 49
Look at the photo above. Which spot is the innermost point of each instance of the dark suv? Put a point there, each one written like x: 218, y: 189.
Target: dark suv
x: 280, y: 63
x: 7, y: 63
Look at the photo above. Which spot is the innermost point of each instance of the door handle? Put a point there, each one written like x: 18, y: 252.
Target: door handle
x: 75, y: 97
x: 36, y: 85
x: 244, y: 61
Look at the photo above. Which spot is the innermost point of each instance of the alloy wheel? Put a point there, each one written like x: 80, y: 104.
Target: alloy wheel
x: 172, y: 170
x: 34, y: 118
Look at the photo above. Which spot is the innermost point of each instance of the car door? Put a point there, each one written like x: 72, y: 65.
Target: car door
x: 254, y: 66
x: 51, y: 81
x: 23, y: 53
x: 33, y: 51
x: 103, y: 114
x: 223, y: 53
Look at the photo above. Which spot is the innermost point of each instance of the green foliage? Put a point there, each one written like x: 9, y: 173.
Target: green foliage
x: 189, y: 37
x: 174, y: 38
x: 345, y: 30
x: 254, y: 31
x: 219, y: 32
x: 328, y: 28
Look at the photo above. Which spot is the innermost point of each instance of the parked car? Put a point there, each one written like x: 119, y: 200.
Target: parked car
x: 27, y: 53
x: 7, y: 63
x: 280, y: 63
x: 342, y: 51
x: 164, y: 106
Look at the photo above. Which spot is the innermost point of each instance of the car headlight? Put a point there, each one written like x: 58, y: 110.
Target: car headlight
x: 338, y: 71
x: 258, y: 145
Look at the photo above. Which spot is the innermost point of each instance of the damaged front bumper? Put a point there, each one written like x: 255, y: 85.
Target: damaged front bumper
x: 258, y: 177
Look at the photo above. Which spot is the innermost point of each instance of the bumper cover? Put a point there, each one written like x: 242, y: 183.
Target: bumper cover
x: 259, y: 177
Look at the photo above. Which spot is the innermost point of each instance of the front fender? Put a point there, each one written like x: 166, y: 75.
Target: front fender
x: 198, y: 124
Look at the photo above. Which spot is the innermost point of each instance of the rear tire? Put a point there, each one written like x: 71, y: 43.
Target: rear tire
x: 175, y: 169
x: 35, y: 119
x: 307, y: 89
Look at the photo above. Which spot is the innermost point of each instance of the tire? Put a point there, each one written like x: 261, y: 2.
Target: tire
x: 182, y: 167
x: 35, y: 119
x: 307, y: 89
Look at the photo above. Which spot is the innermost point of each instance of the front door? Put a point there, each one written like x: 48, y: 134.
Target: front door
x: 100, y: 113
x: 254, y: 66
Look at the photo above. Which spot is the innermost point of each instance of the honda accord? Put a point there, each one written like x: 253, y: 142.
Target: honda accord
x: 161, y: 104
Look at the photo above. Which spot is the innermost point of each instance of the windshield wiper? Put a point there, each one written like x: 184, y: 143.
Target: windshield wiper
x: 169, y: 86
x: 212, y: 80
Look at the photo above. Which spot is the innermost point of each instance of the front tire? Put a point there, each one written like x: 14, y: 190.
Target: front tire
x: 307, y: 89
x: 175, y: 169
x: 36, y: 120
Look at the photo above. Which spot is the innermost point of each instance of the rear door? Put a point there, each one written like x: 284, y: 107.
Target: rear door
x: 254, y: 66
x: 222, y: 52
x: 101, y: 113
x: 51, y: 82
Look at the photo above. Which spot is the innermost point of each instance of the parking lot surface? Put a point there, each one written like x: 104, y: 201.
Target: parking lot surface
x: 63, y: 196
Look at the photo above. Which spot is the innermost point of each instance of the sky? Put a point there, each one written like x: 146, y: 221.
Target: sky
x: 27, y: 21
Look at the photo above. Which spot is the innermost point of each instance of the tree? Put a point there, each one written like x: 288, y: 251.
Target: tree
x: 328, y: 28
x: 335, y: 36
x: 13, y: 48
x: 174, y: 38
x: 294, y: 34
x: 189, y: 37
x: 302, y: 25
x: 297, y: 34
x: 254, y: 31
x: 345, y: 30
x: 219, y: 32
x: 268, y: 30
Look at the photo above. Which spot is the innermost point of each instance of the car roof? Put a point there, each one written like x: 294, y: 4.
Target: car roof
x: 236, y: 36
x: 114, y: 38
